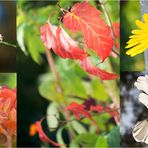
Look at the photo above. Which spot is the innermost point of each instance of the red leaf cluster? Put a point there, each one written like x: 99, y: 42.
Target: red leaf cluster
x: 80, y: 110
x: 37, y: 128
x: 61, y: 43
x: 97, y: 36
x: 7, y: 111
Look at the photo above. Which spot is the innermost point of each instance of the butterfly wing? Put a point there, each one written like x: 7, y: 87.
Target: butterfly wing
x: 140, y: 131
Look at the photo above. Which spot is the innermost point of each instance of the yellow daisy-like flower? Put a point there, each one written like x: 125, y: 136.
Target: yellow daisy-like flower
x: 138, y: 42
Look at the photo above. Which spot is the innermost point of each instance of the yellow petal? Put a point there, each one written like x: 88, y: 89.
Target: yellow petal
x: 137, y: 32
x: 137, y: 49
x: 140, y: 24
x: 145, y: 17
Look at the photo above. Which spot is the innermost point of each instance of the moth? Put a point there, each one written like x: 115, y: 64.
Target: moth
x: 140, y: 131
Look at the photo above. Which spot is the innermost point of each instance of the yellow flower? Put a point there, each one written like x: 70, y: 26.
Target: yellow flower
x: 138, y: 42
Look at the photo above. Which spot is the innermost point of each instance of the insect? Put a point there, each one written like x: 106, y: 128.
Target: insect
x: 140, y: 131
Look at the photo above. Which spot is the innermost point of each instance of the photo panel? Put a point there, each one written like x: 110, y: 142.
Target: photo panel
x: 7, y: 36
x: 134, y: 111
x: 134, y: 22
x: 68, y: 65
x: 8, y: 110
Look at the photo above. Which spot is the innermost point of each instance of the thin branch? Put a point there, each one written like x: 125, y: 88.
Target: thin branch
x: 58, y: 88
x: 53, y: 69
x: 8, y: 44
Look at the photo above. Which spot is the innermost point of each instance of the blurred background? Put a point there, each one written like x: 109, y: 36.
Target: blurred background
x: 129, y: 13
x: 131, y: 109
x: 8, y: 79
x: 8, y: 31
x: 36, y: 83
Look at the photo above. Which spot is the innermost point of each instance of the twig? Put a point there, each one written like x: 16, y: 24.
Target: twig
x: 53, y: 69
x: 8, y: 44
x: 59, y: 88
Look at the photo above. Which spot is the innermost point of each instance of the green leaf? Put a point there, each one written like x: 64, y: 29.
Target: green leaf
x: 101, y: 142
x: 52, y: 115
x: 20, y: 38
x: 85, y: 140
x: 47, y: 88
x: 34, y: 45
x: 113, y: 137
x: 60, y: 138
x: 78, y: 127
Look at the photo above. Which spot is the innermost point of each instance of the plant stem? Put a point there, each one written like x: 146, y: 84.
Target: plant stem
x: 110, y: 24
x: 59, y: 89
x: 53, y: 70
x: 9, y: 141
x: 8, y: 44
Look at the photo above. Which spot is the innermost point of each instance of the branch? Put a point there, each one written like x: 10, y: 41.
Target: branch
x: 58, y: 88
x: 8, y: 44
x: 53, y: 70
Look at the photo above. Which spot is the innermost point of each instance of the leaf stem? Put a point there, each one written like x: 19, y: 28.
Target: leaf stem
x: 8, y: 44
x: 9, y: 141
x: 110, y: 24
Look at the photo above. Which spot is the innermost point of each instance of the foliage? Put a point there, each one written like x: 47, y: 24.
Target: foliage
x: 66, y: 83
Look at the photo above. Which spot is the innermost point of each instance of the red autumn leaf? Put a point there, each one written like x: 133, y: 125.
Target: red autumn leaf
x: 79, y: 110
x: 87, y: 19
x: 97, y: 108
x: 91, y: 69
x: 37, y: 127
x: 116, y: 28
x: 113, y: 112
x: 60, y: 42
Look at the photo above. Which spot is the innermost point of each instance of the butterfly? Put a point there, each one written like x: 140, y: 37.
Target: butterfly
x: 140, y: 131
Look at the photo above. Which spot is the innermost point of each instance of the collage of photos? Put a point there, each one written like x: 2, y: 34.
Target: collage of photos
x: 74, y: 73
